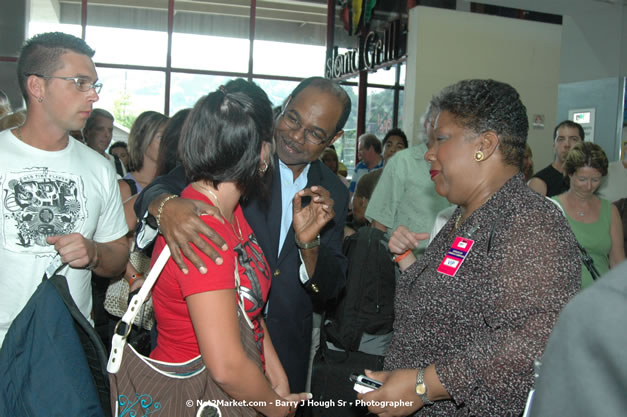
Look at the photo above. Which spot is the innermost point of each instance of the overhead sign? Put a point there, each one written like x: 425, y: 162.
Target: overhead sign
x: 376, y: 49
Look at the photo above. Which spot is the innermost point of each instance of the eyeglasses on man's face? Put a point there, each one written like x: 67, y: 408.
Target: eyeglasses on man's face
x: 313, y: 136
x: 82, y: 84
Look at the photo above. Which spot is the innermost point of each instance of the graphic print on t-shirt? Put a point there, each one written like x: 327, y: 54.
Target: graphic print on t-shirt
x: 250, y: 256
x: 37, y: 203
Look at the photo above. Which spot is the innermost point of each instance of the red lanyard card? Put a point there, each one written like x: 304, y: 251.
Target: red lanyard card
x: 455, y: 256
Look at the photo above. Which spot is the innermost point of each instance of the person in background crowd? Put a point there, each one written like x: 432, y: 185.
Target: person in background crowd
x: 143, y: 147
x: 120, y: 149
x: 595, y: 222
x: 395, y: 140
x: 550, y: 181
x: 168, y: 151
x: 369, y: 152
x: 8, y: 118
x: 342, y: 170
x: 363, y: 192
x: 167, y: 159
x: 329, y: 158
x: 473, y: 312
x: 12, y: 120
x: 5, y: 104
x: 98, y: 132
x: 404, y: 194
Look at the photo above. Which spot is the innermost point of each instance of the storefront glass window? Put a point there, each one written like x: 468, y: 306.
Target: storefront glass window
x: 127, y: 93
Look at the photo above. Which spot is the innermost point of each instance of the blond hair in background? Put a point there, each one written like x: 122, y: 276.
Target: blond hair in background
x: 12, y: 120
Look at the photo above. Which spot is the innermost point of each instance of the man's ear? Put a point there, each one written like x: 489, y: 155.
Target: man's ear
x: 335, y: 138
x: 35, y: 86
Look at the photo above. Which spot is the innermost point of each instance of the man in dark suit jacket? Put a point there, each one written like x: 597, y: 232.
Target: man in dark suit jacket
x: 302, y: 246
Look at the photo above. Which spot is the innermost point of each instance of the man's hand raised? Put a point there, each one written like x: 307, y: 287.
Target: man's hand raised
x: 309, y: 220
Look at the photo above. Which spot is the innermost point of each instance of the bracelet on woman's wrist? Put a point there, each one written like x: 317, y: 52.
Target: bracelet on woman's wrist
x: 398, y: 258
x: 134, y: 278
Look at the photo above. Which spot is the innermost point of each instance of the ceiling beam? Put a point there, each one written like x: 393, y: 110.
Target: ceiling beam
x: 269, y: 10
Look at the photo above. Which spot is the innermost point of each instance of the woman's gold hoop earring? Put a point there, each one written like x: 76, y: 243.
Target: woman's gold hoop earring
x: 479, y: 156
x: 264, y: 169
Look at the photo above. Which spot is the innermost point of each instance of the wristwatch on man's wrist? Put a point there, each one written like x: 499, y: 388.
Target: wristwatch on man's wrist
x: 421, y: 387
x: 308, y: 245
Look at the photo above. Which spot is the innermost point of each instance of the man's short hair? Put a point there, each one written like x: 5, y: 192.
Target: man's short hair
x: 324, y: 84
x: 118, y: 144
x: 40, y: 55
x: 92, y: 118
x: 571, y: 124
x: 371, y: 141
x: 396, y: 132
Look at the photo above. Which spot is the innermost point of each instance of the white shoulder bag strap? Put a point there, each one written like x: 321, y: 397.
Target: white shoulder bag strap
x: 134, y: 307
x: 119, y: 340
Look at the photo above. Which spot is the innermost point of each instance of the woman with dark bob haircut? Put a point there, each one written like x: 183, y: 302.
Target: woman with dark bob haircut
x: 226, y: 148
x: 595, y: 222
x: 476, y: 309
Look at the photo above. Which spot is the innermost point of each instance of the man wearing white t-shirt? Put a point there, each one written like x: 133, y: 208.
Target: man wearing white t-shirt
x: 58, y: 196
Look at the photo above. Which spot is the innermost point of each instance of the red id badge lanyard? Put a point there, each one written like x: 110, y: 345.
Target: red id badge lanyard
x: 455, y: 256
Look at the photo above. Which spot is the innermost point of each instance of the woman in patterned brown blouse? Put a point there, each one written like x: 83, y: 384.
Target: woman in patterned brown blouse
x: 473, y: 313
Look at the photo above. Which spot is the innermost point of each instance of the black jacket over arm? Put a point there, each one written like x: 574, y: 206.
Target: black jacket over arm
x: 172, y: 183
x: 289, y: 314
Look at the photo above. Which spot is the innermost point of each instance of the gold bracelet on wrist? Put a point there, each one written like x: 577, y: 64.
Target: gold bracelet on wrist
x: 160, y: 210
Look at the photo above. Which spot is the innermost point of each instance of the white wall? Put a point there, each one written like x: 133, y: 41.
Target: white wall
x: 594, y: 53
x: 446, y: 46
x: 594, y: 36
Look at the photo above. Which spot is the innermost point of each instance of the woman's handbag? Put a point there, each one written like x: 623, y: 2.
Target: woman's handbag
x: 117, y: 297
x: 142, y: 386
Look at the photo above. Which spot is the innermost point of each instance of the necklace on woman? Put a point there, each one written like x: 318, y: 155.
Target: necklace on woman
x: 580, y: 212
x: 215, y: 197
x: 457, y: 222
